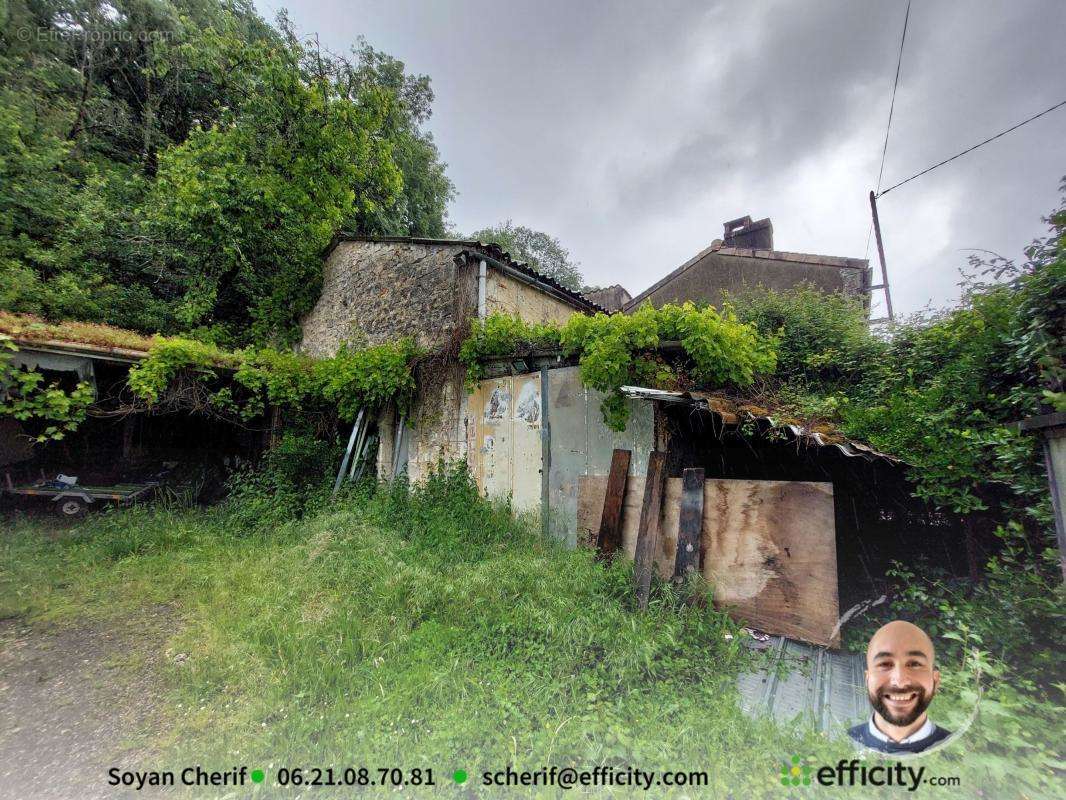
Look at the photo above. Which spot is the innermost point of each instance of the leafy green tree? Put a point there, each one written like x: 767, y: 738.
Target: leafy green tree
x: 242, y: 210
x: 99, y: 99
x: 422, y: 207
x: 538, y: 249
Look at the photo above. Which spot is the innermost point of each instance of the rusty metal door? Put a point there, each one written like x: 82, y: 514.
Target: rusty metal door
x: 507, y: 455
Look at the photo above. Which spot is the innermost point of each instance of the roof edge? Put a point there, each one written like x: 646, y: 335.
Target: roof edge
x: 489, y: 249
x: 839, y: 262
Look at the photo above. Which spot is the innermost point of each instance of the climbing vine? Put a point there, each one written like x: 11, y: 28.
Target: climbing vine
x: 244, y: 382
x: 619, y: 349
x: 50, y: 410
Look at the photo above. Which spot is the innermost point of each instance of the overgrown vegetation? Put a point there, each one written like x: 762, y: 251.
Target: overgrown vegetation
x: 943, y: 393
x: 46, y: 409
x: 429, y: 628
x: 243, y: 382
x: 619, y: 349
x: 180, y: 166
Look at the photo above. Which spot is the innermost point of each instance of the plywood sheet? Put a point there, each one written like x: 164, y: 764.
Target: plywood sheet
x: 769, y: 548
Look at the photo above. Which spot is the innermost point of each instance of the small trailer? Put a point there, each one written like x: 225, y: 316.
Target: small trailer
x: 72, y: 500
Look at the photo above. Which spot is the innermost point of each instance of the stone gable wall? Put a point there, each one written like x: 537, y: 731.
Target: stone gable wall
x: 375, y: 292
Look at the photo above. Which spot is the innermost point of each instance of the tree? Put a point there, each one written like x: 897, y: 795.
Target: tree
x: 542, y: 252
x: 241, y: 212
x: 177, y: 165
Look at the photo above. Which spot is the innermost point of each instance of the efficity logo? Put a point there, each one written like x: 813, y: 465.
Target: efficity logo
x: 797, y: 771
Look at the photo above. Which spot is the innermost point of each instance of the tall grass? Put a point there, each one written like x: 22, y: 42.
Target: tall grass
x: 417, y: 628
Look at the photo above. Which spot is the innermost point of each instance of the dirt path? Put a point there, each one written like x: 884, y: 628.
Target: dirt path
x: 75, y: 702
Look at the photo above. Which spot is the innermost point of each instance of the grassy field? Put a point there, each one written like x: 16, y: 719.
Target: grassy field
x: 430, y: 630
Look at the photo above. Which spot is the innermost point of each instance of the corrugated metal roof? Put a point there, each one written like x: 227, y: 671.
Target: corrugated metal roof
x: 490, y: 249
x: 731, y: 413
x: 798, y: 680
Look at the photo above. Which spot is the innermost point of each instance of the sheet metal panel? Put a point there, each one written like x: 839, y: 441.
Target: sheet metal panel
x: 526, y: 443
x: 582, y: 445
x: 506, y: 458
x: 821, y: 687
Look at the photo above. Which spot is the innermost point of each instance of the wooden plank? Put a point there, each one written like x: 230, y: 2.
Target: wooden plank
x: 648, y: 536
x: 771, y: 555
x: 690, y: 524
x: 609, y: 539
x: 770, y: 548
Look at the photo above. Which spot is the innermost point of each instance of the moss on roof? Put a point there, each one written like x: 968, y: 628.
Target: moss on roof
x: 28, y: 328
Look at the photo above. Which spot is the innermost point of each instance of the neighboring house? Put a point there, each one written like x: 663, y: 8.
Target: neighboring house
x: 381, y: 289
x: 746, y: 258
x: 612, y: 298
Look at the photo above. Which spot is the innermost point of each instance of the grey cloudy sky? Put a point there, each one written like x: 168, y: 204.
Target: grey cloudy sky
x: 633, y: 130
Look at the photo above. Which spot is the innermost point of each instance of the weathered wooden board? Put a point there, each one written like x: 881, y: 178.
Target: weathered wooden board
x: 690, y: 524
x: 608, y: 528
x: 770, y: 547
x: 648, y: 534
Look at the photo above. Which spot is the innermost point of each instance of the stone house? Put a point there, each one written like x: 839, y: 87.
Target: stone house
x: 380, y: 289
x: 746, y: 257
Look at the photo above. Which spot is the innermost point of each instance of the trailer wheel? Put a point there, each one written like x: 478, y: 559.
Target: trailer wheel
x: 71, y: 507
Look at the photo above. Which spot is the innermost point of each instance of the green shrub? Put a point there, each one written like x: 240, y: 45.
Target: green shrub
x: 618, y: 349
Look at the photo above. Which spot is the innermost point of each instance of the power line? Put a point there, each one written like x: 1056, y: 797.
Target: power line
x: 880, y: 173
x: 971, y: 149
x: 892, y: 105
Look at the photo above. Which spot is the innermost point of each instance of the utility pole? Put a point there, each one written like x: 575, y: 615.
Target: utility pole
x: 881, y: 254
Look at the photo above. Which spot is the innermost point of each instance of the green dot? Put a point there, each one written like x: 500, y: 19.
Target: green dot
x: 257, y: 776
x: 459, y: 776
x: 796, y: 781
x: 795, y: 759
x: 785, y: 781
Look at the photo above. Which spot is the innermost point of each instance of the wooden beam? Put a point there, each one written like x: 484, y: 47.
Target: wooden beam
x: 690, y: 524
x: 648, y: 534
x: 609, y: 538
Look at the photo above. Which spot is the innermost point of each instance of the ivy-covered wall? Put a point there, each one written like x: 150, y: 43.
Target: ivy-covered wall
x: 381, y: 291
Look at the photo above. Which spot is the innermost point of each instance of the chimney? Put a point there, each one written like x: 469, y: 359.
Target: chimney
x: 758, y: 235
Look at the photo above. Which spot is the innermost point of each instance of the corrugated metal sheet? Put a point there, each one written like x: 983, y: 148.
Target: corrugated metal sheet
x: 823, y: 687
x: 582, y: 445
x: 705, y: 402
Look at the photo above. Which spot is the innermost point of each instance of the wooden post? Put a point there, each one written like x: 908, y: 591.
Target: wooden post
x: 881, y: 255
x: 1052, y: 428
x: 127, y: 437
x: 971, y: 550
x: 648, y: 533
x: 690, y: 524
x: 609, y: 538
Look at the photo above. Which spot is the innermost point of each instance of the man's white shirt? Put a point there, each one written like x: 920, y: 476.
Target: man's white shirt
x: 922, y: 733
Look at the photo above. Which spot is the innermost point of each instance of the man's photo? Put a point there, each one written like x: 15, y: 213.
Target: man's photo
x: 901, y: 681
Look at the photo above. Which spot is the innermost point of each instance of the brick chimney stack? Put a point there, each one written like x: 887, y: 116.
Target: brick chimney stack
x: 742, y: 232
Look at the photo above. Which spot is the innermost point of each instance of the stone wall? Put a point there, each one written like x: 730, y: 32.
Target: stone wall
x: 509, y: 295
x: 375, y: 292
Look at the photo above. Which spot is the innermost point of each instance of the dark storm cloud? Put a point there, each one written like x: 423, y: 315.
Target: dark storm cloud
x: 633, y: 130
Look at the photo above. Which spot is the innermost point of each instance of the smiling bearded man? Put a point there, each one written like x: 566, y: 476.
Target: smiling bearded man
x: 901, y: 681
